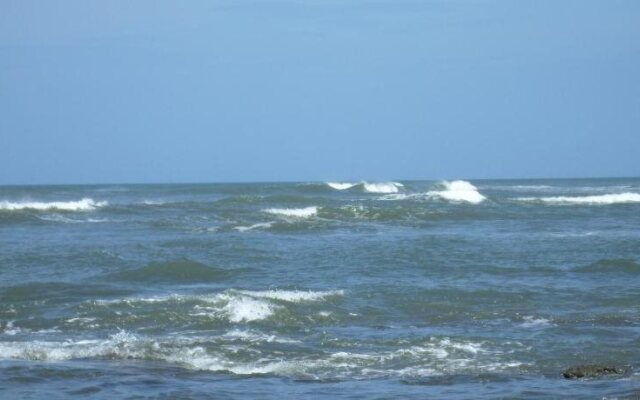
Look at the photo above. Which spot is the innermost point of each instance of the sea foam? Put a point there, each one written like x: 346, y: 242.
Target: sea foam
x: 382, y: 187
x: 458, y: 191
x: 85, y: 204
x: 618, y: 198
x: 260, y: 225
x: 341, y: 185
x: 368, y: 187
x: 294, y: 212
x: 293, y: 296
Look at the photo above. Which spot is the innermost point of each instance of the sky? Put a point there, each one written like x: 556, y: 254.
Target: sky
x: 303, y: 90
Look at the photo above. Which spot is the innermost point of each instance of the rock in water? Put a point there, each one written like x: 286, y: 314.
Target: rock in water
x: 592, y: 371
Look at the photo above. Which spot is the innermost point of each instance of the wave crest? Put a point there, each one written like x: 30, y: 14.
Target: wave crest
x: 85, y: 204
x: 294, y: 212
x: 458, y: 191
x: 341, y: 185
x: 604, y: 199
x: 382, y: 187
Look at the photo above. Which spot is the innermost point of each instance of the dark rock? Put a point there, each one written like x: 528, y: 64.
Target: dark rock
x: 592, y: 371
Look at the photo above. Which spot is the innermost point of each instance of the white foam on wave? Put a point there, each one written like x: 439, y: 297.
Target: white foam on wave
x: 154, y: 202
x: 246, y: 309
x: 219, y: 353
x: 85, y: 204
x: 382, y: 187
x: 63, y: 219
x: 260, y: 225
x: 293, y: 296
x: 533, y: 322
x: 252, y: 336
x: 341, y: 185
x: 306, y: 212
x: 530, y: 187
x: 458, y: 191
x: 233, y: 305
x: 617, y: 198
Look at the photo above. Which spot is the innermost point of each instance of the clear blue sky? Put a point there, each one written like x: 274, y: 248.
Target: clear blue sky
x: 208, y: 91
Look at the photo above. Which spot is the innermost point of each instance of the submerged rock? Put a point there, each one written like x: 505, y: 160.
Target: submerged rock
x: 592, y: 371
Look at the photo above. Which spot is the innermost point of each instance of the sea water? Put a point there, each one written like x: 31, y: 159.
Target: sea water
x: 363, y: 289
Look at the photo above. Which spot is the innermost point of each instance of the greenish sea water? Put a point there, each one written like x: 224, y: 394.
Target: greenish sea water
x: 416, y: 289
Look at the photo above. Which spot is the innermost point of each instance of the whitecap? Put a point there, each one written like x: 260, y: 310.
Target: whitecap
x: 341, y: 185
x: 293, y: 296
x: 260, y: 225
x: 85, y: 204
x: 533, y: 322
x: 458, y: 191
x: 246, y: 309
x: 294, y: 212
x: 255, y: 337
x: 605, y: 199
x: 382, y: 187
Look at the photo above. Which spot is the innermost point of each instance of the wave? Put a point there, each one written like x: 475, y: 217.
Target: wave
x: 530, y: 187
x: 433, y: 356
x: 85, y: 204
x: 341, y: 185
x: 609, y: 266
x: 368, y: 187
x: 246, y: 309
x: 605, y: 199
x: 63, y: 219
x: 260, y: 225
x: 294, y: 212
x: 233, y: 305
x: 457, y: 191
x: 175, y: 271
x: 533, y: 322
x: 293, y: 296
x: 382, y: 187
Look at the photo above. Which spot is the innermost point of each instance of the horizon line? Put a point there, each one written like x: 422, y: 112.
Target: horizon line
x: 312, y: 181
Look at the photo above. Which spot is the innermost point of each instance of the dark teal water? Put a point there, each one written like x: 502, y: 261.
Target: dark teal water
x: 302, y: 290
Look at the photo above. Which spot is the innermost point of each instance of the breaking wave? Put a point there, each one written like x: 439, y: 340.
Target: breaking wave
x: 419, y: 358
x: 341, y: 185
x: 293, y: 296
x: 233, y: 305
x: 619, y: 198
x: 260, y: 225
x: 294, y: 212
x: 85, y: 204
x: 368, y: 187
x: 382, y: 187
x: 457, y: 191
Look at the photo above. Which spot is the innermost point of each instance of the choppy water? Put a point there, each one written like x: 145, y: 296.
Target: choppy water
x: 324, y: 290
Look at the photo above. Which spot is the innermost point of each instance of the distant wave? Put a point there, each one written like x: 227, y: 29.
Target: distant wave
x: 172, y: 271
x: 294, y: 212
x: 85, y: 204
x: 604, y: 199
x: 63, y: 219
x: 530, y: 187
x: 260, y: 225
x: 382, y: 187
x: 533, y: 322
x: 341, y: 185
x: 368, y: 187
x: 458, y: 191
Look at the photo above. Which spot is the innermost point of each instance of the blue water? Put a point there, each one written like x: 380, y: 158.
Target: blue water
x: 482, y: 289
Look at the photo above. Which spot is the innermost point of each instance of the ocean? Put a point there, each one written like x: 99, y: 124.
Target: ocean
x: 326, y: 290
